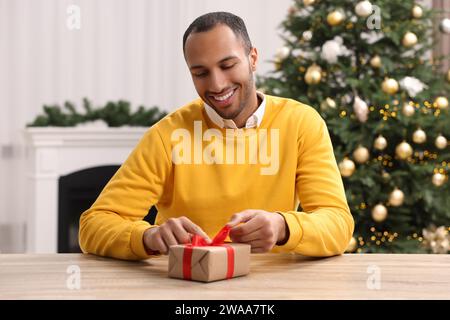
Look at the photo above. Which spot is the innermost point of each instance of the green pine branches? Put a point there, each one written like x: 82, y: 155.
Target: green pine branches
x: 114, y: 114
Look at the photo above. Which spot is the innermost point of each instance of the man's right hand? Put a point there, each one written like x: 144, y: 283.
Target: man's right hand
x: 174, y: 231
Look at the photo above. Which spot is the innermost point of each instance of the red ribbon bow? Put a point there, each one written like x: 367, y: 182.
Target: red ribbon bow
x: 218, y: 241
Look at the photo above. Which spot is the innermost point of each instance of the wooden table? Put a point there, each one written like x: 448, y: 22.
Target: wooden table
x: 272, y: 276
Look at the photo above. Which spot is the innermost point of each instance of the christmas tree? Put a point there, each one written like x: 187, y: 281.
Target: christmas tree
x: 367, y: 68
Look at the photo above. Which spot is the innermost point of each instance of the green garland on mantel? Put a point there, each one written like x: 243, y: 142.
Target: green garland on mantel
x: 115, y: 114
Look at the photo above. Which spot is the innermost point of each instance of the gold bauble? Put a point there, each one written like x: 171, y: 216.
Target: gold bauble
x: 386, y: 176
x: 308, y: 2
x: 419, y: 136
x: 346, y: 167
x: 328, y: 103
x: 417, y: 12
x: 438, y: 179
x: 440, y: 142
x: 396, y: 197
x: 409, y: 39
x: 408, y: 110
x: 335, y: 18
x: 313, y: 74
x: 352, y: 245
x: 379, y: 213
x: 390, y: 86
x: 380, y: 143
x: 448, y: 75
x: 404, y: 150
x: 375, y: 62
x: 361, y: 154
x: 441, y: 102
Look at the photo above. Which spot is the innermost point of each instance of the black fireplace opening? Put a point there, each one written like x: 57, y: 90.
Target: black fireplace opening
x: 77, y: 192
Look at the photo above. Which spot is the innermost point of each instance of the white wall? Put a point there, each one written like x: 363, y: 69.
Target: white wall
x: 124, y: 50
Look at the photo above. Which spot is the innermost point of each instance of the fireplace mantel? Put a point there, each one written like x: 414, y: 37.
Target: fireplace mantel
x: 53, y: 152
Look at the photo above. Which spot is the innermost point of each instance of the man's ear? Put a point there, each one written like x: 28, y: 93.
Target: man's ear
x: 253, y: 56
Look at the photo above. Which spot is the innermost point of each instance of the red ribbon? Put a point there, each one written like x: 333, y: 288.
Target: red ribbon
x: 218, y: 241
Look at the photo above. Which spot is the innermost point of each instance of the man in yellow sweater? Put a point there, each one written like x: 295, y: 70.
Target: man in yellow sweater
x: 234, y: 157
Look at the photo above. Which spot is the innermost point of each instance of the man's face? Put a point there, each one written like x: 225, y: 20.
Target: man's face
x: 221, y: 70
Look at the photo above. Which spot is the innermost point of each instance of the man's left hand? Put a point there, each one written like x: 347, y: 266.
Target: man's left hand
x: 261, y: 229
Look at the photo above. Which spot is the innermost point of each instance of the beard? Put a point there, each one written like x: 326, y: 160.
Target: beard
x: 246, y: 91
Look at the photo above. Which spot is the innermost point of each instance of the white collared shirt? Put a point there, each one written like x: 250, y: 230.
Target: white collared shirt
x: 252, y: 122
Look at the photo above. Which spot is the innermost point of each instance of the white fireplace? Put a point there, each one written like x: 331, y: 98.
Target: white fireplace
x: 53, y: 152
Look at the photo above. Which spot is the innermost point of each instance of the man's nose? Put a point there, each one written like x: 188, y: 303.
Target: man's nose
x: 218, y: 82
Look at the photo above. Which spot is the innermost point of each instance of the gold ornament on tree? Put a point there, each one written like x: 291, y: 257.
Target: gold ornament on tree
x: 375, y: 62
x: 417, y: 12
x: 404, y: 150
x: 419, y: 136
x: 282, y: 53
x: 313, y: 74
x: 396, y: 197
x: 409, y: 40
x: 408, y: 110
x: 361, y: 154
x: 448, y: 75
x: 346, y: 167
x: 379, y: 213
x: 440, y: 142
x: 436, y: 239
x: 335, y: 18
x: 352, y: 245
x: 380, y: 143
x: 390, y: 86
x: 327, y: 104
x: 441, y: 102
x: 308, y: 2
x: 438, y: 179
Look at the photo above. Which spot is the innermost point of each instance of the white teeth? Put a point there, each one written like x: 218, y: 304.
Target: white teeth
x: 225, y: 97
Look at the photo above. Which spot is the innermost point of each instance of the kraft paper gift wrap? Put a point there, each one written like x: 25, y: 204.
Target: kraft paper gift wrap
x: 209, y: 262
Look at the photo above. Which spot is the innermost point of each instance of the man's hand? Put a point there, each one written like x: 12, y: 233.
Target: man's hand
x: 262, y: 229
x: 174, y: 231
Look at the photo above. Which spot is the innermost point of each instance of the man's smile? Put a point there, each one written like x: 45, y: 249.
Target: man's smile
x: 224, y: 99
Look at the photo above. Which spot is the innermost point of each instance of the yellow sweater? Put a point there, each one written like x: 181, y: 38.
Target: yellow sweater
x: 180, y: 182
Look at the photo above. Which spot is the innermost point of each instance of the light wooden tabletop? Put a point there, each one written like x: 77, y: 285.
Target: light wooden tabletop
x: 272, y: 276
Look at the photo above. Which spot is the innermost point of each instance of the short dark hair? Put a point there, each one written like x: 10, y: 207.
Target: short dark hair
x: 209, y: 20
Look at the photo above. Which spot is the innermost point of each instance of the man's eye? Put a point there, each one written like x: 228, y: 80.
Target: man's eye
x: 228, y: 67
x: 200, y: 75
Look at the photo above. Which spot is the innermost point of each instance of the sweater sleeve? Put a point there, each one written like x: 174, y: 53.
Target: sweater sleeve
x: 325, y: 226
x: 114, y: 225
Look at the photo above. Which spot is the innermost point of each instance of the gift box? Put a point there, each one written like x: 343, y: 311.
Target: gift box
x: 209, y: 262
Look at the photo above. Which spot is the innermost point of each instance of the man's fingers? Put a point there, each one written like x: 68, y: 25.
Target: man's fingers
x: 180, y: 233
x: 168, y: 237
x: 191, y: 227
x: 250, y: 226
x: 159, y: 243
x: 239, y: 217
x: 256, y: 235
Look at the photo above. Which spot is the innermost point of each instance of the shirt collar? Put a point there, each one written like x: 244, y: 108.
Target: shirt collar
x: 253, y: 121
